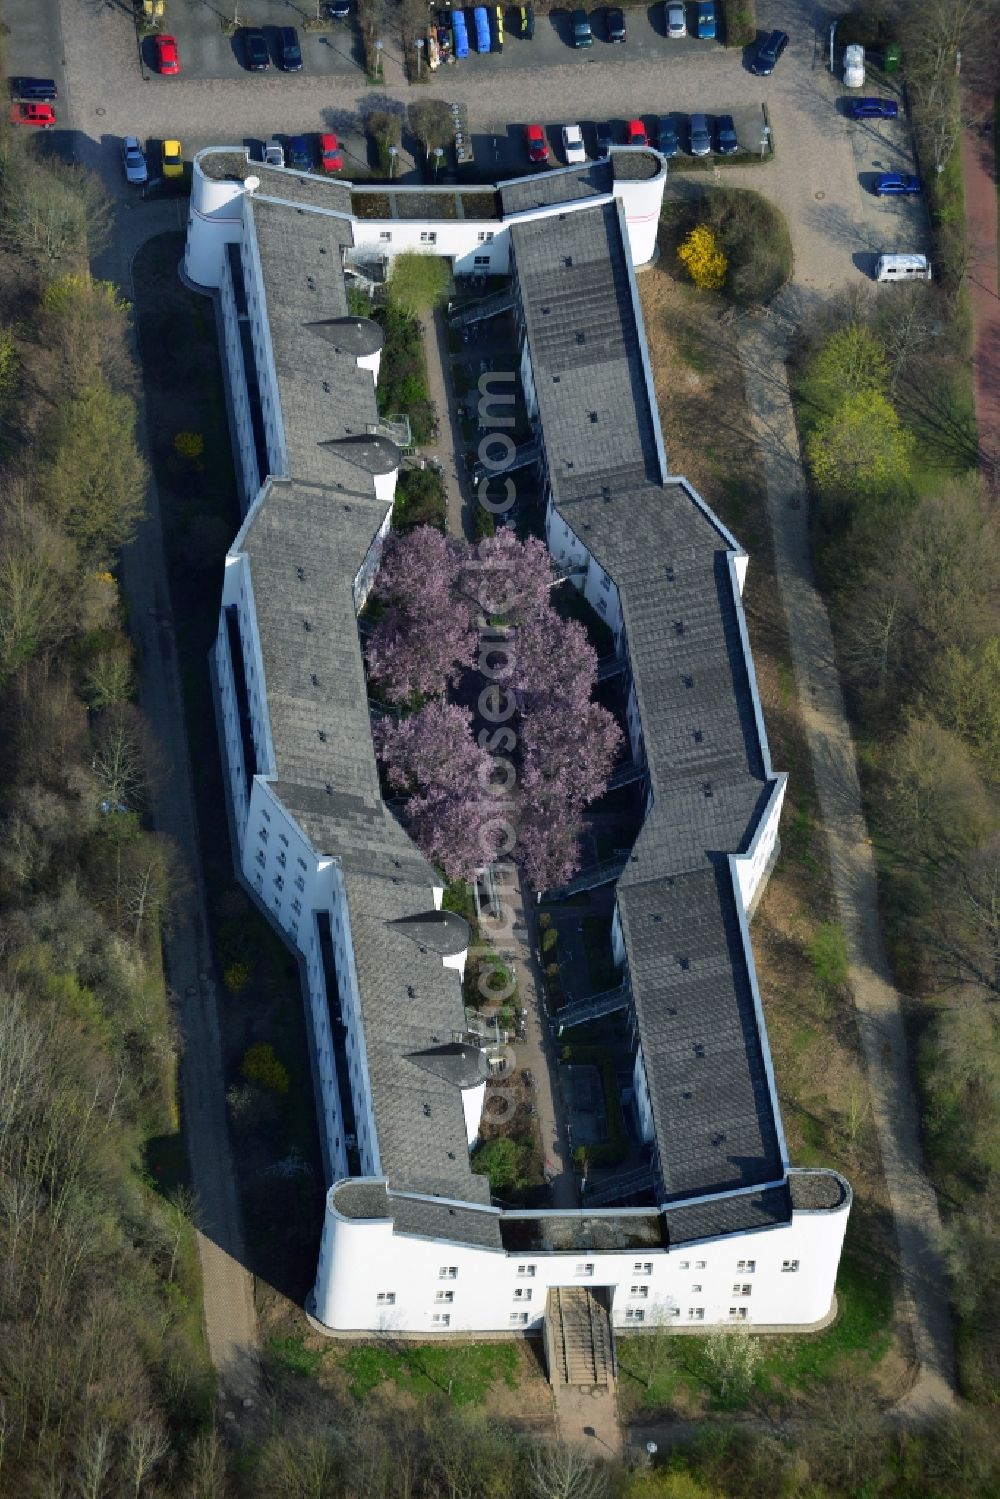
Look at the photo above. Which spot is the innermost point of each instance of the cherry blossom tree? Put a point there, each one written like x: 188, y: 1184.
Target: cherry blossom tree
x: 451, y: 811
x: 510, y: 581
x: 427, y: 636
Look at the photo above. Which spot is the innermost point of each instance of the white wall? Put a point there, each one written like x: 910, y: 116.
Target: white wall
x: 371, y: 1259
x: 472, y: 1106
x: 644, y: 1108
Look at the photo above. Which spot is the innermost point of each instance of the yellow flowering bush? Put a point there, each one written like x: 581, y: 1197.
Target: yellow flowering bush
x: 261, y: 1066
x: 189, y: 446
x: 702, y: 259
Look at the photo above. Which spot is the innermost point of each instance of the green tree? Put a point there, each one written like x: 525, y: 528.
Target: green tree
x: 418, y: 283
x: 94, y: 480
x: 502, y: 1161
x: 851, y: 362
x: 861, y: 448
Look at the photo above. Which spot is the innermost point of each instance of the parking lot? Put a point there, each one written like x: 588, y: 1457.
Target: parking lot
x: 206, y: 52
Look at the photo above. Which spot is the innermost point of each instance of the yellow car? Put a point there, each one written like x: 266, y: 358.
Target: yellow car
x: 172, y: 159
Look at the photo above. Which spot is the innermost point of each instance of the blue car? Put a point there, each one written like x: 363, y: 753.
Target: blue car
x: 897, y: 185
x: 874, y: 109
x: 299, y: 154
x: 725, y: 130
x: 666, y: 136
x: 704, y: 21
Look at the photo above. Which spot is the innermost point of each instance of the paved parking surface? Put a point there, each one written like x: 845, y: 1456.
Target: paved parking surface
x: 817, y: 177
x: 206, y: 52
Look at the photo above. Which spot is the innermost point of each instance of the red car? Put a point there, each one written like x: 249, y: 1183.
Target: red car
x: 42, y: 115
x: 330, y: 156
x: 635, y: 133
x: 534, y: 139
x: 167, y: 57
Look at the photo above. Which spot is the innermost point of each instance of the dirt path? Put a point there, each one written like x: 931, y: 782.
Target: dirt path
x: 227, y: 1286
x: 763, y: 351
x: 979, y: 172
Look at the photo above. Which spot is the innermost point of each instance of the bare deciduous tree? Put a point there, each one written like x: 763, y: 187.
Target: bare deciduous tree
x: 562, y: 1471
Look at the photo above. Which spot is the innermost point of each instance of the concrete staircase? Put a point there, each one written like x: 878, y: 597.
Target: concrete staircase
x: 580, y: 1342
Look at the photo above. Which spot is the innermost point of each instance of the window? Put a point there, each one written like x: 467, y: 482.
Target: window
x: 737, y: 1314
x: 602, y: 604
x: 482, y: 260
x: 485, y: 237
x: 696, y: 1313
x: 448, y: 1272
x: 518, y: 1319
x: 522, y: 1293
x: 300, y: 883
x: 587, y: 1269
x: 742, y: 1288
x: 789, y: 1266
x: 297, y: 907
x: 673, y: 1311
x: 605, y: 581
x: 525, y: 1269
x: 748, y: 1266
x: 302, y: 864
x: 261, y: 859
x: 441, y: 1319
x: 642, y: 1267
x: 428, y: 237
x: 282, y: 858
x: 635, y: 1314
x: 283, y: 839
x: 385, y: 235
x: 447, y: 1296
x: 265, y: 814
x: 641, y: 1291
x: 279, y: 882
x: 386, y: 1298
x: 700, y: 1264
x: 260, y: 881
x: 685, y: 1264
x: 263, y: 834
x: 695, y: 1290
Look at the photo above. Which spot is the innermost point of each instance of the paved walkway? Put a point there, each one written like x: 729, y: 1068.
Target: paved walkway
x: 448, y: 443
x: 763, y: 350
x: 979, y: 172
x: 589, y: 1418
x: 227, y: 1286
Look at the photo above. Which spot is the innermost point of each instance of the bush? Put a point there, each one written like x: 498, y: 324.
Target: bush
x: 420, y: 500
x: 503, y: 1161
x: 702, y: 259
x: 550, y: 936
x: 261, y: 1065
x: 739, y: 22
x: 484, y: 524
x: 236, y: 977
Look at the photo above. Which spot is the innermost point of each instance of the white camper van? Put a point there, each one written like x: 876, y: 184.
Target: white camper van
x: 903, y: 268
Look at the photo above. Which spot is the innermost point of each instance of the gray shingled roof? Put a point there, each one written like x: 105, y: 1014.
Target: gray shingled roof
x: 714, y: 1116
x: 566, y: 185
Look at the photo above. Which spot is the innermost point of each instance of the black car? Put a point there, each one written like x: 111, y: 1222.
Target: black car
x: 616, y: 25
x: 299, y: 154
x: 605, y: 138
x: 583, y: 33
x: 338, y: 9
x: 770, y: 49
x: 526, y: 21
x: 666, y: 136
x: 34, y: 88
x: 725, y: 135
x: 255, y: 49
x: 289, y: 51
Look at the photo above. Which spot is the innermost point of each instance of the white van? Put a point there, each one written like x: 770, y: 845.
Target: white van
x: 903, y: 268
x: 854, y: 66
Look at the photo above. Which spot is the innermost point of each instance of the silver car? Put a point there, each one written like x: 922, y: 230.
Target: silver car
x: 700, y: 136
x: 133, y: 161
x: 676, y: 21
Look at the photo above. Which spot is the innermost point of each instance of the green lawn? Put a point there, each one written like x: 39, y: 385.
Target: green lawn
x: 465, y: 1372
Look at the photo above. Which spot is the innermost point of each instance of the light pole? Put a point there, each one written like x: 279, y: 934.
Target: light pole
x: 393, y: 153
x: 833, y: 36
x: 419, y: 44
x: 438, y: 153
x: 378, y: 60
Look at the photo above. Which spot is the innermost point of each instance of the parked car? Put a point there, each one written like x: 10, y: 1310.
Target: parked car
x: 168, y: 59
x: 338, y: 9
x: 172, y: 159
x: 331, y: 158
x: 583, y: 34
x: 605, y: 138
x: 289, y: 51
x: 299, y: 156
x: 874, y: 109
x: 496, y: 21
x: 854, y: 66
x: 615, y: 21
x: 700, y: 136
x: 258, y: 59
x: 133, y: 161
x: 536, y: 144
x: 725, y: 136
x: 34, y: 88
x: 676, y: 21
x: 704, y: 21
x: 635, y: 134
x: 274, y: 153
x: 574, y: 149
x: 526, y: 21
x: 30, y: 112
x: 897, y: 185
x: 666, y: 136
x: 765, y: 59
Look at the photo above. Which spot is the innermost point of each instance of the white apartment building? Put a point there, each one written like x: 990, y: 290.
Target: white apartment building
x: 411, y: 1239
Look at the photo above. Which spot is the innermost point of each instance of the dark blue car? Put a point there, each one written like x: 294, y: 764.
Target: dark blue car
x: 897, y: 185
x: 874, y: 109
x: 666, y: 136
